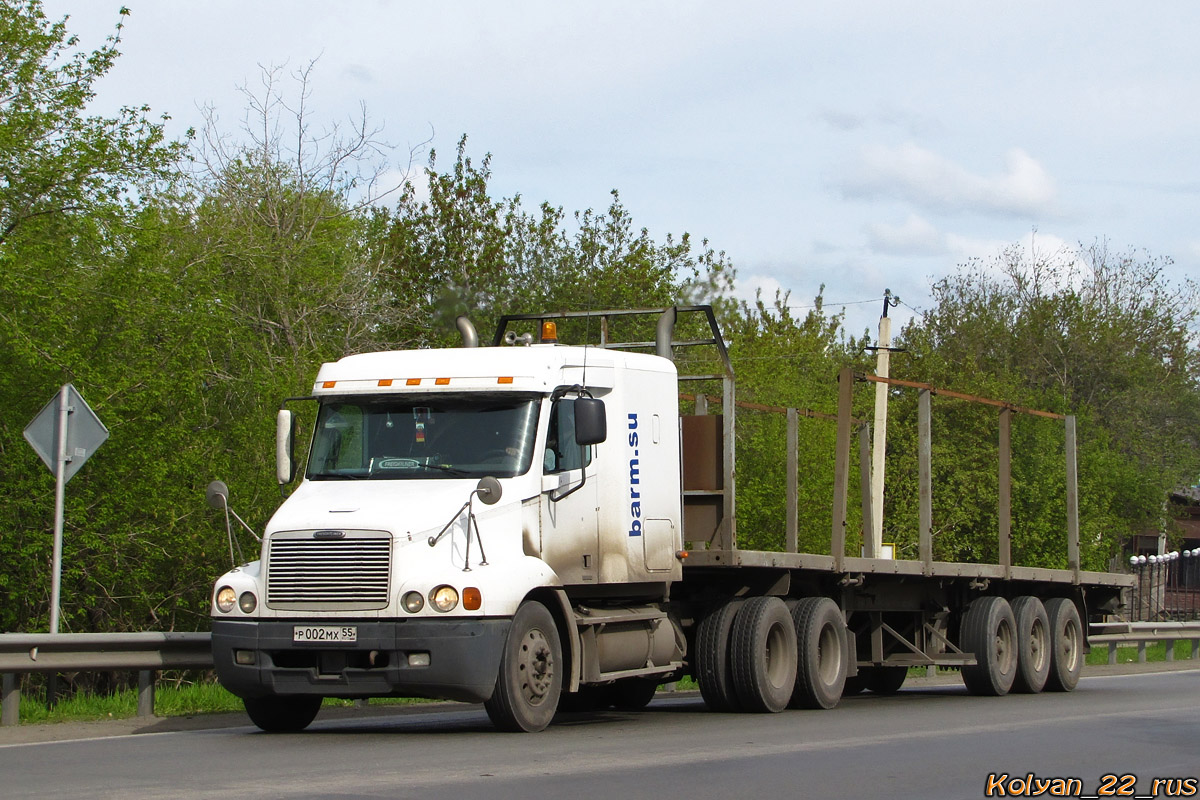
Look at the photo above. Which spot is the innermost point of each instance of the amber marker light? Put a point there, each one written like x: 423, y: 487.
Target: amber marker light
x: 385, y: 382
x: 328, y: 384
x: 549, y: 333
x: 682, y: 554
x: 413, y: 382
x: 441, y: 382
x: 471, y: 599
x: 504, y: 380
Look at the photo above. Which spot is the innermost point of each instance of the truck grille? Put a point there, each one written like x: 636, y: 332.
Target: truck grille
x: 307, y: 572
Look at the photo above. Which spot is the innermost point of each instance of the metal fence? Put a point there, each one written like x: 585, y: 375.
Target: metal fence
x: 1167, y: 587
x: 68, y: 652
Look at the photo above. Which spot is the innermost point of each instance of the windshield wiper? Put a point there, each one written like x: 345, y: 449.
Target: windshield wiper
x: 455, y: 471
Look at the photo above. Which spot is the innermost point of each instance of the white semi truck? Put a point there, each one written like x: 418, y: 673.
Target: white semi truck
x: 507, y: 525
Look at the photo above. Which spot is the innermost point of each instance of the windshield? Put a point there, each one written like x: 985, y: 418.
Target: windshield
x: 431, y: 436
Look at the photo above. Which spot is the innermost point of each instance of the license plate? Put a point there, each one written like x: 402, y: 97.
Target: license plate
x: 325, y: 633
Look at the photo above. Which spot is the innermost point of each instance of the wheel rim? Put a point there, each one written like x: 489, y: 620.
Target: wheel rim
x: 829, y: 655
x: 1070, y: 646
x: 1005, y: 650
x: 776, y: 657
x: 536, y: 667
x: 1038, y: 651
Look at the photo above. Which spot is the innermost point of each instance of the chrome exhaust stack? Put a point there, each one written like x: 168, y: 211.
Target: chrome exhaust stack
x: 470, y: 336
x: 666, y: 333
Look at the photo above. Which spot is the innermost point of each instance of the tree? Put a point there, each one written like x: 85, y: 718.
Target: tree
x: 53, y: 158
x: 1109, y: 337
x: 69, y: 184
x: 462, y: 251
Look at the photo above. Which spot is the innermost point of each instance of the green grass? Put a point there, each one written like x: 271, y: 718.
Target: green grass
x: 1155, y: 651
x: 169, y: 701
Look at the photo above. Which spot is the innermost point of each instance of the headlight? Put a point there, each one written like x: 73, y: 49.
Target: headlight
x: 226, y: 597
x: 413, y: 602
x: 444, y: 598
x: 247, y: 602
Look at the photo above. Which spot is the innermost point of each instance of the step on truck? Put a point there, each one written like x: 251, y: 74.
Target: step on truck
x: 534, y: 526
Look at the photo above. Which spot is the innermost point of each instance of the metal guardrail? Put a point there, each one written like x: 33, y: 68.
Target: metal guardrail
x: 69, y: 652
x: 1115, y: 634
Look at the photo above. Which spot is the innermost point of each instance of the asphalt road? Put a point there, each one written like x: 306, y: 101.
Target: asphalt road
x: 931, y: 740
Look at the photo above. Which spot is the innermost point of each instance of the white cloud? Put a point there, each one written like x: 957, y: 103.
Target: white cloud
x: 914, y: 237
x: 746, y: 287
x: 926, y: 179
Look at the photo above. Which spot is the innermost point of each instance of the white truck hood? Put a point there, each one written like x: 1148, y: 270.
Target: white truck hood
x: 400, y: 506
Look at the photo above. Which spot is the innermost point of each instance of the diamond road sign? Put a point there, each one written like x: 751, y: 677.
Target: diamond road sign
x: 85, y: 432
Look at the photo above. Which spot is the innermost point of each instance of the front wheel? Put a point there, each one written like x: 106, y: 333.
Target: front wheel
x: 282, y: 714
x: 530, y: 679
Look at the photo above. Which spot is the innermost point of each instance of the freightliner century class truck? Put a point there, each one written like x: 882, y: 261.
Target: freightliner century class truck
x: 507, y: 525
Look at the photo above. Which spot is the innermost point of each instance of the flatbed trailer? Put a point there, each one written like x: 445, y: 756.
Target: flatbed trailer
x: 591, y: 551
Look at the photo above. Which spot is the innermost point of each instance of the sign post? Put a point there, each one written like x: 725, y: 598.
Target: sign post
x: 64, y: 434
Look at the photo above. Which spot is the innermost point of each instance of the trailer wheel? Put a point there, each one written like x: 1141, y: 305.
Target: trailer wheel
x: 530, y: 679
x: 820, y: 653
x: 886, y: 680
x: 1066, y: 645
x: 762, y: 655
x: 1033, y: 645
x: 712, y: 657
x: 631, y: 694
x: 990, y: 632
x: 287, y: 714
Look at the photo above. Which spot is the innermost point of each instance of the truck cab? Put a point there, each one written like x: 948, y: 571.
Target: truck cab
x: 444, y: 492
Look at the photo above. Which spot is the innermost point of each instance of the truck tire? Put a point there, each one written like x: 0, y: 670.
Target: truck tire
x: 711, y: 669
x: 530, y: 679
x: 989, y: 631
x: 286, y: 714
x: 631, y: 694
x: 1066, y: 645
x: 820, y: 653
x: 762, y: 655
x: 885, y: 680
x: 1033, y: 645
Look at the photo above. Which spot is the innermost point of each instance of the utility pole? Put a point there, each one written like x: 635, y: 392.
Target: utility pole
x: 883, y: 352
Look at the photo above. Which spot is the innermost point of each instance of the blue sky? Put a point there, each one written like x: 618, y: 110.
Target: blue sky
x: 859, y: 145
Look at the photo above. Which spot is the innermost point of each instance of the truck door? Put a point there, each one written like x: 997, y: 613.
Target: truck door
x: 569, y: 500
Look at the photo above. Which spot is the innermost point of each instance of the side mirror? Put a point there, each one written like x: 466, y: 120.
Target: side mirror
x: 217, y: 495
x: 285, y: 447
x: 591, y: 423
x: 489, y: 490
